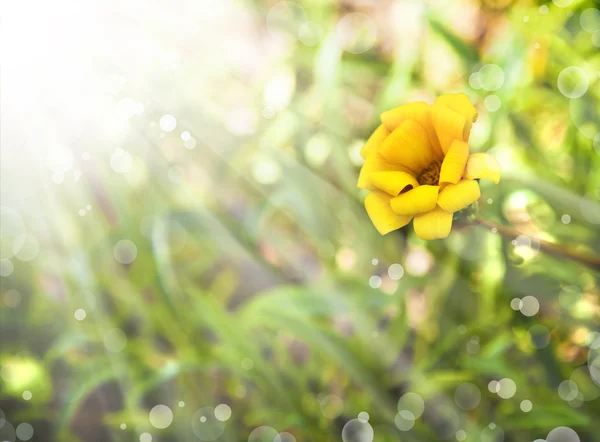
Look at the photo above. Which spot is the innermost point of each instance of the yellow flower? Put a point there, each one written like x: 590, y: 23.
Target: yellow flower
x: 417, y: 165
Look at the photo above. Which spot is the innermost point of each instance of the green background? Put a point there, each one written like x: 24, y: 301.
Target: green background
x: 251, y: 275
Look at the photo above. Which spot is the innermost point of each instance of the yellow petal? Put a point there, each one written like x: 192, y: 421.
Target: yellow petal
x: 455, y: 197
x: 483, y: 165
x: 408, y: 145
x: 460, y: 103
x: 393, y: 182
x: 418, y: 200
x: 374, y: 141
x: 375, y: 163
x: 419, y: 112
x: 381, y: 214
x: 415, y: 111
x: 434, y: 224
x: 449, y: 125
x: 454, y: 163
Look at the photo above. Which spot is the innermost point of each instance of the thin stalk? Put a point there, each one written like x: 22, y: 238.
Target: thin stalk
x: 545, y: 246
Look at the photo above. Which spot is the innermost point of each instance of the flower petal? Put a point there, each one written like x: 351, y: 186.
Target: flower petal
x: 460, y: 103
x: 393, y: 182
x: 455, y: 197
x: 449, y: 125
x: 375, y: 163
x: 415, y: 111
x: 418, y: 200
x: 381, y: 214
x: 434, y: 224
x: 374, y: 141
x: 454, y: 163
x: 409, y: 146
x: 419, y: 112
x: 483, y: 165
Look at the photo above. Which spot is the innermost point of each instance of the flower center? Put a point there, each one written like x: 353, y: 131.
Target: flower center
x: 431, y: 174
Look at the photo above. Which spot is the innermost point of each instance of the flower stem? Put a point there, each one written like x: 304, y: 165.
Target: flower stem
x: 545, y: 246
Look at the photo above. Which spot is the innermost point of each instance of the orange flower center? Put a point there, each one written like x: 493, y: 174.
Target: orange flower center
x: 431, y: 174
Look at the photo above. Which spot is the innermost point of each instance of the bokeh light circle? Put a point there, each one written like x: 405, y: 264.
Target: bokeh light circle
x: 443, y: 419
x: 357, y: 430
x: 506, y: 388
x: 516, y: 304
x: 24, y: 431
x: 26, y: 247
x: 207, y: 427
x: 491, y: 433
x: 115, y: 340
x: 160, y: 416
x: 286, y: 17
x: 356, y: 32
x: 396, y: 271
x: 375, y: 281
x: 223, y: 412
x: 568, y: 390
x: 264, y: 434
x: 6, y: 267
x: 474, y: 81
x: 573, y: 82
x: 590, y: 20
x: 404, y: 420
x: 121, y: 161
x: 491, y: 77
x: 412, y: 402
x: 492, y: 103
x: 7, y: 432
x: 125, y: 251
x: 562, y: 434
x: 467, y: 396
x: 331, y: 406
x: 285, y: 437
x: 562, y: 3
x: 310, y: 33
x: 586, y: 385
x: 526, y: 406
x: 585, y: 115
x: 530, y: 306
x: 168, y: 123
x: 80, y: 314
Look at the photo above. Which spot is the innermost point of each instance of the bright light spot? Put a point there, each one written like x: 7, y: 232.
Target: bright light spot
x: 506, y: 388
x: 121, y: 161
x: 222, y: 412
x: 526, y: 406
x: 160, y: 416
x: 125, y: 251
x: 115, y: 340
x: 375, y: 281
x: 573, y: 82
x: 168, y: 123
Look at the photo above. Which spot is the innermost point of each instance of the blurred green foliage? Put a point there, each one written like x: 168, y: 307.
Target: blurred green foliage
x: 250, y: 274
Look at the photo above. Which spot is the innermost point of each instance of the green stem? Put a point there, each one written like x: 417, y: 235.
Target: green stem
x: 545, y: 246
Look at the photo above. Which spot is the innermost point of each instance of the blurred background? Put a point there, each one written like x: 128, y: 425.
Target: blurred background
x: 185, y: 255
